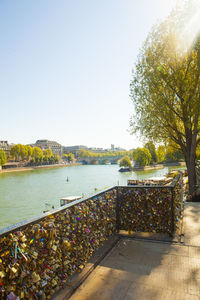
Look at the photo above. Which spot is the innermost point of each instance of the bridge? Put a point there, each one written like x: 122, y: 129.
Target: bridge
x: 100, y: 160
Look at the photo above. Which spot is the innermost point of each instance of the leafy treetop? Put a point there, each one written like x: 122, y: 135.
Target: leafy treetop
x: 165, y: 88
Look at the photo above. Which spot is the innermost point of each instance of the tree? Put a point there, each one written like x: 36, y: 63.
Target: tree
x: 23, y: 152
x: 82, y: 153
x: 29, y: 151
x: 173, y: 153
x: 15, y: 152
x: 48, y: 152
x: 57, y: 158
x: 69, y: 157
x: 142, y: 156
x: 160, y: 153
x: 85, y: 153
x: 198, y: 152
x: 165, y: 88
x: 37, y: 154
x: 19, y: 152
x: 3, y: 158
x: 152, y: 149
x: 125, y: 162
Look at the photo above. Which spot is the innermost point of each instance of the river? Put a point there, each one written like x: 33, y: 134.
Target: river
x: 26, y: 194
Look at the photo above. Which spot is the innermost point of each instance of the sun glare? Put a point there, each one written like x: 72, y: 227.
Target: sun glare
x: 191, y: 27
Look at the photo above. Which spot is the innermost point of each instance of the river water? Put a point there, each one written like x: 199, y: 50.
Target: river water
x: 26, y: 194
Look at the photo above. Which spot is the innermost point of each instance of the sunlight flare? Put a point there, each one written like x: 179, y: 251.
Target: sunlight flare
x: 190, y: 28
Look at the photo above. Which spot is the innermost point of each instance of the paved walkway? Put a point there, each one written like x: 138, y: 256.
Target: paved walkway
x: 191, y: 224
x: 138, y: 269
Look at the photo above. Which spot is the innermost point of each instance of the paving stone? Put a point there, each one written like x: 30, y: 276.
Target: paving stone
x: 103, y: 288
x: 191, y: 224
x: 142, y: 292
x: 141, y: 269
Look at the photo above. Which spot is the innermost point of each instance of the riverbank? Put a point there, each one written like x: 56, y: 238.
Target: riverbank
x: 31, y: 168
x: 145, y: 168
x: 158, y: 166
x: 21, y: 169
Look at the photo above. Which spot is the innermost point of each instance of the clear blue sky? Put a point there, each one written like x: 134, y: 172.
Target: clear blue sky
x: 65, y: 68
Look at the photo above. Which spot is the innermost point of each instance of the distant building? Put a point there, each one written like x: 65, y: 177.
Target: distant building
x: 46, y: 144
x: 115, y: 149
x: 74, y: 149
x: 119, y: 149
x: 5, y: 146
x: 97, y: 150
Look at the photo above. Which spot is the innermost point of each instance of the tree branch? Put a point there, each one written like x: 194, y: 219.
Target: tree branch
x: 171, y: 87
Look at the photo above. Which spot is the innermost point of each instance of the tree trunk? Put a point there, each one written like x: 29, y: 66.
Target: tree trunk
x: 190, y: 163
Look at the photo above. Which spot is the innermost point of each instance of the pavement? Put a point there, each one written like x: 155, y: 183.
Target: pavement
x: 191, y: 224
x: 144, y: 269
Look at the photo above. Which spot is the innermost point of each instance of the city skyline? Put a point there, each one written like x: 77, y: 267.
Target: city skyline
x: 112, y: 146
x: 66, y: 69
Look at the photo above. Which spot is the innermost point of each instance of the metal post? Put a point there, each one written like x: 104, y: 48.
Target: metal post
x: 117, y: 210
x: 172, y: 212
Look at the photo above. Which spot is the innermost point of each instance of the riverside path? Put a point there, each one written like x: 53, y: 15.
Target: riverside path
x: 146, y: 269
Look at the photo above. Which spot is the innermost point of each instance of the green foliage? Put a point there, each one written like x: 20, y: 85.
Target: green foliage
x: 125, y: 162
x: 173, y: 154
x: 19, y: 152
x: 39, y: 159
x: 3, y: 158
x: 198, y: 152
x: 152, y: 149
x: 37, y: 153
x: 57, y: 158
x: 142, y: 156
x: 165, y: 87
x: 69, y: 157
x: 172, y: 174
x: 29, y: 150
x: 160, y: 153
x: 15, y: 152
x: 48, y: 152
x: 89, y: 154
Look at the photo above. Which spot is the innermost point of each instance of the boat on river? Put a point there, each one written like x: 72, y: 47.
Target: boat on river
x: 69, y: 199
x: 151, y: 181
x: 124, y: 169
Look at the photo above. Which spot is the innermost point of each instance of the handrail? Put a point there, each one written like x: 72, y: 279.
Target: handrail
x: 21, y: 225
x: 46, y: 250
x: 30, y: 221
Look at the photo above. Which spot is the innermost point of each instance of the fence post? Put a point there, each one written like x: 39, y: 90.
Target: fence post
x: 172, y: 211
x: 117, y: 210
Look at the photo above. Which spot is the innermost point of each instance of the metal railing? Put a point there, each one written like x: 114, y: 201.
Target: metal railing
x: 37, y: 256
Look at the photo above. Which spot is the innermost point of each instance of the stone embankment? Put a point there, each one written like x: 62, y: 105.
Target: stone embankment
x: 158, y: 166
x: 152, y: 167
x: 19, y: 169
